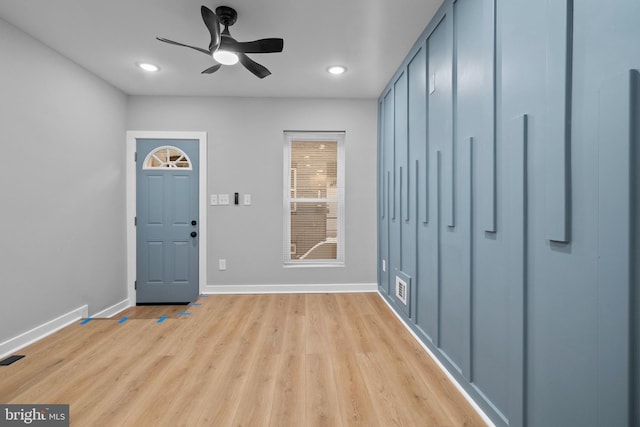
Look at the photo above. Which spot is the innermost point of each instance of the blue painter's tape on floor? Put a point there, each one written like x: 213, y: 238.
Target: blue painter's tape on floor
x: 87, y: 320
x: 195, y: 303
x: 124, y: 319
x: 204, y: 296
x: 162, y: 319
x: 184, y: 313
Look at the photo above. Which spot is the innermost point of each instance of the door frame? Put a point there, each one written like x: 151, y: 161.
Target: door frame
x: 132, y: 137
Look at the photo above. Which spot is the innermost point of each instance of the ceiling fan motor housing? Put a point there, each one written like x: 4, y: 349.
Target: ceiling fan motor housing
x: 227, y: 15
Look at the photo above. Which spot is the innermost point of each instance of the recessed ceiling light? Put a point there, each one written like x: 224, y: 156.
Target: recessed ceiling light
x: 337, y: 69
x: 148, y: 67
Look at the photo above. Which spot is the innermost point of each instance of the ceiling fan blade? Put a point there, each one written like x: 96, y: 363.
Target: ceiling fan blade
x: 185, y: 45
x: 212, y: 22
x: 212, y: 70
x: 260, y: 46
x: 257, y: 69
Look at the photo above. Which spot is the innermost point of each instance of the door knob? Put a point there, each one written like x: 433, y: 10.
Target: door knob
x: 194, y: 234
x: 194, y: 222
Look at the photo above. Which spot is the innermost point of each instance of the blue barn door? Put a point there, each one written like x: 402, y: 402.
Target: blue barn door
x: 167, y: 221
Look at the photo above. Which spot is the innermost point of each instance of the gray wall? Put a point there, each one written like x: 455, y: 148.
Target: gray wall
x: 62, y: 186
x: 245, y: 150
x: 509, y: 196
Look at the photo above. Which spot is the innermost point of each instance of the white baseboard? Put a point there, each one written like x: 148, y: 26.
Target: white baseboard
x: 113, y: 310
x: 451, y: 378
x: 14, y: 344
x: 290, y: 289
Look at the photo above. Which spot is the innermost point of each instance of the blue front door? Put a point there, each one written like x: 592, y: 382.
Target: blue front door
x: 167, y: 220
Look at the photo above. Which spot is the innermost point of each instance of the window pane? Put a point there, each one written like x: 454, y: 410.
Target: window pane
x: 314, y: 199
x: 167, y: 157
x: 314, y: 169
x: 314, y: 230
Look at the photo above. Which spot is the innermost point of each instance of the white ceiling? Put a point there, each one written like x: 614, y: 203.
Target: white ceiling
x: 107, y: 37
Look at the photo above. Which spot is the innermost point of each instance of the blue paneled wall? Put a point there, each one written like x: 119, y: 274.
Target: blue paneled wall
x: 509, y: 202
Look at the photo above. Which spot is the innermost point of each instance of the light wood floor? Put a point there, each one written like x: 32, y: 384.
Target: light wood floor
x: 242, y: 360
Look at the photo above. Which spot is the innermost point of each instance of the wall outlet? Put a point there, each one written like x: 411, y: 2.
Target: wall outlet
x: 213, y: 200
x: 247, y: 199
x: 222, y: 264
x: 223, y: 199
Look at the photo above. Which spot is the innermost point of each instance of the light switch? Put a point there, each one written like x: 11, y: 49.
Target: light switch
x: 223, y: 199
x: 214, y: 200
x: 247, y: 199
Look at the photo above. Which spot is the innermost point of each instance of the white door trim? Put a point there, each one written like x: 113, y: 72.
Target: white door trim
x: 132, y: 136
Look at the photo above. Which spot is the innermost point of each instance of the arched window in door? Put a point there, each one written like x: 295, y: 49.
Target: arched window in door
x: 167, y: 157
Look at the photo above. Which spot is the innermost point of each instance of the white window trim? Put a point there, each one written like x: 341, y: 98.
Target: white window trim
x: 290, y: 136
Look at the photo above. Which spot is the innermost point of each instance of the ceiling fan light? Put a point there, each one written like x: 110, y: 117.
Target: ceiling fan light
x: 225, y: 57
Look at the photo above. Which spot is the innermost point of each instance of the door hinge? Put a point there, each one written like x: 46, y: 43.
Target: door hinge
x: 135, y: 156
x: 135, y: 220
x: 135, y: 285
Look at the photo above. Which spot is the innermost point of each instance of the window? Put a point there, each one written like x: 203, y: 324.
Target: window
x: 314, y: 199
x: 167, y: 157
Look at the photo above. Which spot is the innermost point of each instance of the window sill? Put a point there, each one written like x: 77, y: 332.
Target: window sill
x: 312, y: 264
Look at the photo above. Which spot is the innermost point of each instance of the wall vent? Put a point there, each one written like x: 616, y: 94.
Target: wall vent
x: 401, y: 290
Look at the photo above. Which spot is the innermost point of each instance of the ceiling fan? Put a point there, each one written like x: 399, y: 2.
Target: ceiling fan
x: 224, y: 49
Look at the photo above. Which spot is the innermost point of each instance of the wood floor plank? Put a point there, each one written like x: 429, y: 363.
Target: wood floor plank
x: 153, y: 408
x: 315, y: 326
x: 256, y: 400
x: 337, y: 339
x: 202, y: 391
x: 441, y: 396
x: 31, y: 369
x: 181, y: 388
x: 388, y: 401
x: 295, y: 335
x: 123, y: 393
x: 154, y: 311
x: 56, y: 382
x: 274, y: 321
x: 222, y: 409
x: 356, y: 405
x: 322, y: 408
x: 242, y: 360
x: 354, y: 323
x: 297, y: 304
x: 288, y: 408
